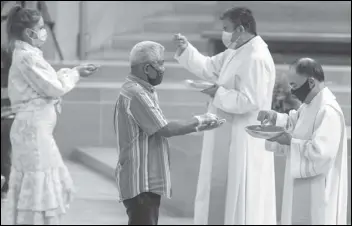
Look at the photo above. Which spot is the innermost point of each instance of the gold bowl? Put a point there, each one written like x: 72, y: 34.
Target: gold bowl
x: 264, y: 132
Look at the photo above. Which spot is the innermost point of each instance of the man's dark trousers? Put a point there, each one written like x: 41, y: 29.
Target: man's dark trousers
x: 143, y: 209
x: 5, y: 151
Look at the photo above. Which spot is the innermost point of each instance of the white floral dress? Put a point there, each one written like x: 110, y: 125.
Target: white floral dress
x: 40, y: 186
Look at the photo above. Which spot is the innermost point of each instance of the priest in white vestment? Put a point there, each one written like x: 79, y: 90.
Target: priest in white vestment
x: 236, y: 182
x: 316, y: 180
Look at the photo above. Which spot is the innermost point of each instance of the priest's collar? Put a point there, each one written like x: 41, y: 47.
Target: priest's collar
x: 246, y: 42
x: 255, y: 41
x: 324, y: 93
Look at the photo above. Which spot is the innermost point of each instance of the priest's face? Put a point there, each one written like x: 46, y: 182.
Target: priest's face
x: 296, y: 80
x: 301, y: 85
x: 230, y: 27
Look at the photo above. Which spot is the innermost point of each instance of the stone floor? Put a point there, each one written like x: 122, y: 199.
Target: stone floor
x: 95, y: 201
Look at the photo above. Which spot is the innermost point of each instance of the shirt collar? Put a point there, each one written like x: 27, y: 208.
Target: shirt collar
x: 141, y: 82
x: 26, y: 46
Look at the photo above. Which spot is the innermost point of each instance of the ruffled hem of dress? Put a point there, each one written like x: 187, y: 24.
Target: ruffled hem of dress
x: 50, y: 217
x: 42, y: 193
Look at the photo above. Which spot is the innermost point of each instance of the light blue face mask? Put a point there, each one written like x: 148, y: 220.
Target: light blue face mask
x: 42, y: 35
x: 226, y: 39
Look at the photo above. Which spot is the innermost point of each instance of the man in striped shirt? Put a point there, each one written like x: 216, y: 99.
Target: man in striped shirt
x: 143, y: 169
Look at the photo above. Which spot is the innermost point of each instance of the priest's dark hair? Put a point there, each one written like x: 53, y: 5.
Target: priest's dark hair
x: 310, y: 68
x: 241, y: 16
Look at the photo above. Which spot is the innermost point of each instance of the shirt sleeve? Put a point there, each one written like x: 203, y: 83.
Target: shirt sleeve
x: 147, y: 113
x: 315, y: 156
x: 39, y: 74
x: 251, y: 94
x: 202, y: 66
x: 288, y: 121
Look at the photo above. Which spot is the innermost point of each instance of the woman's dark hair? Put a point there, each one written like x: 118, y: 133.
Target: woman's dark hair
x: 19, y: 19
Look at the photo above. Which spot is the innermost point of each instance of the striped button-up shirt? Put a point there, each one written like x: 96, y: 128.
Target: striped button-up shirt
x: 143, y: 164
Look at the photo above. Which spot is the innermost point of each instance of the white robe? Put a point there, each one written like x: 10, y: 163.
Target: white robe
x: 236, y: 182
x: 316, y: 183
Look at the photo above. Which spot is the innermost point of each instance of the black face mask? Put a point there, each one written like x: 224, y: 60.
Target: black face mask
x: 302, y: 92
x: 159, y: 78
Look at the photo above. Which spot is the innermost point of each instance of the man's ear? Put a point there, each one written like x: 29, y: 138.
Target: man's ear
x: 311, y: 82
x: 145, y: 69
x: 241, y: 29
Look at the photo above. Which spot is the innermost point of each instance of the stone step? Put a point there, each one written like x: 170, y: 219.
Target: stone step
x: 98, y: 123
x: 174, y: 95
x: 323, y: 59
x: 100, y: 106
x: 104, y: 115
x: 194, y: 7
x: 306, y: 43
x: 88, y: 111
x: 179, y: 93
x: 296, y: 16
x: 279, y: 58
x: 116, y: 71
x: 123, y: 55
x: 127, y: 41
x: 97, y: 205
x: 280, y: 26
x: 184, y: 173
x: 179, y: 23
x: 179, y: 205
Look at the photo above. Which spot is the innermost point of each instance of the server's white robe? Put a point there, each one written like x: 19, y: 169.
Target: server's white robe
x: 316, y: 182
x: 236, y: 182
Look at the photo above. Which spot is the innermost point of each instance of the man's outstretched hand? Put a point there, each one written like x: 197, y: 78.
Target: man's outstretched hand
x: 208, y: 121
x: 211, y: 126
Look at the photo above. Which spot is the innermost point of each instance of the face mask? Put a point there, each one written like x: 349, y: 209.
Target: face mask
x: 159, y: 78
x: 41, y: 37
x: 226, y: 39
x: 302, y: 92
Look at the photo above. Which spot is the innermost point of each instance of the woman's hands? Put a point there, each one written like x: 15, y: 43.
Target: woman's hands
x: 86, y: 70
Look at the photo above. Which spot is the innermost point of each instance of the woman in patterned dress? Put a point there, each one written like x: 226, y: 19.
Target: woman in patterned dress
x: 40, y: 186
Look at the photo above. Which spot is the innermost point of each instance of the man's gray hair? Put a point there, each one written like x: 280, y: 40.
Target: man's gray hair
x: 146, y: 51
